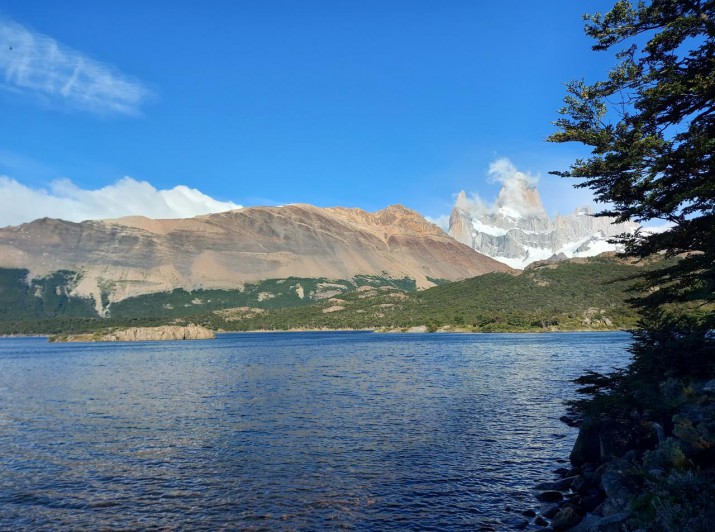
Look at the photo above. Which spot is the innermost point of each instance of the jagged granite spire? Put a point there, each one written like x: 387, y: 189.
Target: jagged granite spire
x: 517, y: 231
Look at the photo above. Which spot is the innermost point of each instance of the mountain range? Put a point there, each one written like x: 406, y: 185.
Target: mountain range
x: 112, y: 260
x: 517, y: 231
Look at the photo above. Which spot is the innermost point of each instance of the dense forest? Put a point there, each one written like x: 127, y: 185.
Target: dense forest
x: 581, y: 294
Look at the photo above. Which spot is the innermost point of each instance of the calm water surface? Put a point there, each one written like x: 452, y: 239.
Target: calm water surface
x: 291, y: 431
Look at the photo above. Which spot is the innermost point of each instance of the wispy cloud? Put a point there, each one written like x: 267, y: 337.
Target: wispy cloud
x: 38, y: 65
x: 517, y: 191
x: 64, y: 199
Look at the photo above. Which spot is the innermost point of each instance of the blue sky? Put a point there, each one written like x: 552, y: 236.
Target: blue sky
x: 352, y: 103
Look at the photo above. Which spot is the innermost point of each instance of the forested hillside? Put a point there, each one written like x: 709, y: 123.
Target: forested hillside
x: 581, y: 294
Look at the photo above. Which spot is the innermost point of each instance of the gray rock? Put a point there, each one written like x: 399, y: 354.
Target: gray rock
x: 590, y: 502
x: 598, y: 473
x: 614, y: 483
x: 565, y: 483
x: 559, y: 485
x: 550, y: 496
x: 532, y: 228
x: 613, y: 506
x: 612, y: 523
x: 709, y: 387
x: 540, y: 521
x: 587, y: 523
x: 578, y: 484
x: 549, y: 510
x: 565, y: 519
x: 587, y: 447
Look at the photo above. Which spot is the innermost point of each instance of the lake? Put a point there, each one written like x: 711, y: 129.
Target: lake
x: 287, y: 431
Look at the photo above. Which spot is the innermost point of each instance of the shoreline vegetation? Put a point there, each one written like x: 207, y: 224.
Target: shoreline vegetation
x: 575, y: 295
x: 644, y: 458
x: 94, y: 337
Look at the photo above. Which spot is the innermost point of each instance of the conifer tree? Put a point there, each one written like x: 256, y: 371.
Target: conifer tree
x: 651, y: 129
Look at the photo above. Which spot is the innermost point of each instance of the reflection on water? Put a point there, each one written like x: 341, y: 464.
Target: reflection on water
x: 286, y: 431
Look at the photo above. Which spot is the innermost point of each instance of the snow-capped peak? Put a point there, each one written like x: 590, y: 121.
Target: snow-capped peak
x: 517, y: 231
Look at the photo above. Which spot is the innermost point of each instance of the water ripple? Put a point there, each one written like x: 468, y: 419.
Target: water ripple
x: 286, y: 431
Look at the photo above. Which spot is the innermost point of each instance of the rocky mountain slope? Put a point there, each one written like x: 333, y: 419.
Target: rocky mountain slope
x: 117, y: 259
x: 517, y: 230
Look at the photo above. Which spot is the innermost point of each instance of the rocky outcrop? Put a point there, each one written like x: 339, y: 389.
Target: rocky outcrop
x: 518, y: 231
x: 142, y: 334
x: 631, y: 474
x: 133, y: 256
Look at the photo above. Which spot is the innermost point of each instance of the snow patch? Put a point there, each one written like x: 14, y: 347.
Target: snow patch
x: 532, y: 255
x: 480, y: 227
x: 510, y: 213
x: 588, y: 247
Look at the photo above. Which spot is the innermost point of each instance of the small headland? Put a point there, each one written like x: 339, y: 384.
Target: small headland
x: 140, y: 334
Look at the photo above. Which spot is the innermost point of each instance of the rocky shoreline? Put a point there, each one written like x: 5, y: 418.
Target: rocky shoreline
x: 423, y: 329
x: 141, y: 334
x: 621, y: 471
x: 91, y: 337
x: 588, y: 498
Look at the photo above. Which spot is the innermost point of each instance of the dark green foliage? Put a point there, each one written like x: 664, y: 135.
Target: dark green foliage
x: 585, y: 294
x: 66, y: 325
x: 45, y: 297
x: 651, y: 130
x: 404, y: 283
x: 673, y: 345
x: 14, y: 292
x: 180, y: 302
x: 27, y: 308
x: 438, y: 282
x: 268, y: 294
x: 577, y: 295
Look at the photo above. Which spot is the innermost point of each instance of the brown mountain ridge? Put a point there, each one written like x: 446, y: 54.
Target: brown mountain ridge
x: 135, y: 255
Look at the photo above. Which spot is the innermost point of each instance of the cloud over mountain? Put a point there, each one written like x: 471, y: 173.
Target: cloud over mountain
x: 514, y: 193
x: 20, y: 203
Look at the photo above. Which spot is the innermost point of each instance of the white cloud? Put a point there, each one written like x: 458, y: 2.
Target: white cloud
x: 518, y: 192
x: 64, y: 199
x: 504, y: 172
x: 440, y: 221
x: 38, y: 65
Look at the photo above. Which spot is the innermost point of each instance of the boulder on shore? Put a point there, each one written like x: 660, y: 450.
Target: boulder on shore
x: 587, y: 448
x: 565, y: 519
